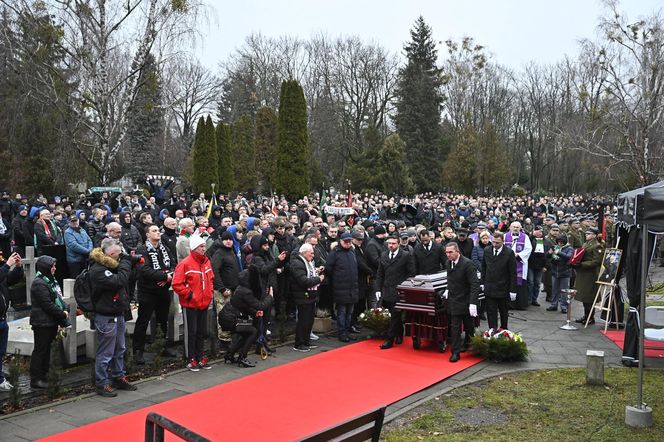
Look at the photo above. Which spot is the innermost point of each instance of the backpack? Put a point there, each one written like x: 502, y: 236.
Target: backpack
x: 83, y: 292
x: 577, y: 257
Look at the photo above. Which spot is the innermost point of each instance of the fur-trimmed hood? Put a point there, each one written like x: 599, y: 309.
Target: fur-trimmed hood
x: 97, y: 255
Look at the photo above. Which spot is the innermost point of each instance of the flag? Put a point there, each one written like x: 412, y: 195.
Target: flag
x: 274, y: 209
x: 351, y: 218
x: 213, y: 202
x: 323, y: 201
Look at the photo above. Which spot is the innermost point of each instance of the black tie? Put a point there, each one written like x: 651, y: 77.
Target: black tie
x: 495, y: 252
x: 391, y: 255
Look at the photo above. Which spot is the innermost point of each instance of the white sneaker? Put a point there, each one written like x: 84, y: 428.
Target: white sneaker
x: 268, y: 332
x: 313, y: 337
x: 6, y: 386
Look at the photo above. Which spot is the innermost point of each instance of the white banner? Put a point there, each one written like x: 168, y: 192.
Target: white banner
x: 343, y: 211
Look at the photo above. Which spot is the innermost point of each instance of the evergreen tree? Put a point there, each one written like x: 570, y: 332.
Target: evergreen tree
x: 145, y: 124
x: 204, y: 160
x: 244, y: 154
x: 393, y: 174
x: 293, y: 174
x: 459, y: 168
x: 362, y: 171
x: 266, y: 148
x: 225, y: 154
x: 211, y: 141
x: 493, y: 171
x: 418, y: 107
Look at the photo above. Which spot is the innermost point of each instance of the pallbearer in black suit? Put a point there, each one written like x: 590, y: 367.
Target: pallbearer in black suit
x: 394, y: 267
x: 429, y: 256
x: 499, y: 280
x: 463, y: 288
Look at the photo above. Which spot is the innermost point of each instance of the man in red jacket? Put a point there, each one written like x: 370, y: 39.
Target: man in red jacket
x: 193, y: 282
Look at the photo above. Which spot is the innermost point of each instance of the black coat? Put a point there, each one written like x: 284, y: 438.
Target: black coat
x: 373, y: 250
x: 44, y: 312
x: 499, y: 273
x: 462, y: 285
x: 154, y: 270
x: 7, y: 278
x: 109, y: 280
x: 226, y: 269
x: 364, y: 271
x: 244, y: 299
x: 466, y: 247
x: 170, y: 240
x: 341, y: 268
x: 431, y: 261
x: 393, y: 272
x: 301, y: 283
x: 131, y: 237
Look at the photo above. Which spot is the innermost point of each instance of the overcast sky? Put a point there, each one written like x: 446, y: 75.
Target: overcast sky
x: 514, y: 32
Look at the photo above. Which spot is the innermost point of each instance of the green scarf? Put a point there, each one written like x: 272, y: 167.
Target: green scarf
x: 54, y: 288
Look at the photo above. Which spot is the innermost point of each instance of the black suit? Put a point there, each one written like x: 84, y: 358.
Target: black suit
x: 391, y: 273
x: 499, y: 279
x: 429, y: 261
x: 463, y: 289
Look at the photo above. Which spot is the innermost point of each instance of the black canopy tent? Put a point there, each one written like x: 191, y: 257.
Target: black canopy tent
x: 640, y: 217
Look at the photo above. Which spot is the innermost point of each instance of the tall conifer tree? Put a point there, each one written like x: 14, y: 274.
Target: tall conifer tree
x: 225, y: 154
x: 266, y: 148
x: 204, y: 158
x: 418, y: 107
x: 244, y: 154
x: 293, y: 174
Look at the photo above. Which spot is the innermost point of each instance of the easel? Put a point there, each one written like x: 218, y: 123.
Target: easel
x: 603, y: 292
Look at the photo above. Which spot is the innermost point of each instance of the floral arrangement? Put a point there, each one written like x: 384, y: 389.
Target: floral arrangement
x: 376, y: 319
x: 500, y: 345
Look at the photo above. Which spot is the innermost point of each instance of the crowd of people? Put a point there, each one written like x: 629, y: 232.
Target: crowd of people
x: 260, y: 258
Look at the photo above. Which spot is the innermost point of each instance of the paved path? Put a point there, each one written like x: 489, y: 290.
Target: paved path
x: 550, y: 348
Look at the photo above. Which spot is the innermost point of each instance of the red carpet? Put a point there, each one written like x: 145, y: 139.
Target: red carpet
x: 653, y: 349
x: 297, y: 399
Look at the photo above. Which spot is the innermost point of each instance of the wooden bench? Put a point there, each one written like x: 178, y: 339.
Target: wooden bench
x: 361, y: 428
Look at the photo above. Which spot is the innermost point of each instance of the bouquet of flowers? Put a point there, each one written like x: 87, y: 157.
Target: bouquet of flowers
x: 500, y: 345
x: 376, y: 319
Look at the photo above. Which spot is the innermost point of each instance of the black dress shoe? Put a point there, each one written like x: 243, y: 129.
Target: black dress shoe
x: 551, y: 309
x: 592, y: 321
x: 455, y: 357
x: 581, y: 320
x: 399, y: 340
x: 387, y: 344
x: 39, y: 384
x: 229, y: 359
x: 535, y: 303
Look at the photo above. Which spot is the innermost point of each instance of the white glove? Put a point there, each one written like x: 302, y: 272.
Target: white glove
x: 378, y: 296
x: 482, y: 287
x: 512, y: 296
x: 472, y: 309
x: 446, y: 294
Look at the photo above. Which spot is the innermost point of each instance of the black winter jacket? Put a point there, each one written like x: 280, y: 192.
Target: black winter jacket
x: 301, y: 283
x: 226, y: 269
x: 154, y: 270
x: 44, y: 312
x: 109, y: 279
x: 341, y: 268
x: 7, y: 278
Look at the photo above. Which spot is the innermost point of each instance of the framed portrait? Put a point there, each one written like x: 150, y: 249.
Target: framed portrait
x: 609, y: 268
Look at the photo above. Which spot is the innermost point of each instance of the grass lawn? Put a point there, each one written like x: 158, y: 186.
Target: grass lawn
x: 546, y: 405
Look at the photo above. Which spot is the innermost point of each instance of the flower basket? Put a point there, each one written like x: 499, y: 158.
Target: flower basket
x: 377, y: 320
x: 499, y: 346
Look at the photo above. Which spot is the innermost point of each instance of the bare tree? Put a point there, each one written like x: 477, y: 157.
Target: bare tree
x: 106, y: 43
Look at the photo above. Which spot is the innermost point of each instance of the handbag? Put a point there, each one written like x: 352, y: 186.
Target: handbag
x: 577, y: 257
x: 228, y: 317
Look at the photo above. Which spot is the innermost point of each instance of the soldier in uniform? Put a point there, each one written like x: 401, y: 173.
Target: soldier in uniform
x: 586, y: 274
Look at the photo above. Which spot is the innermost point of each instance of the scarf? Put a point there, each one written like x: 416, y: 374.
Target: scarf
x: 54, y: 288
x: 311, y: 272
x: 3, y: 228
x: 517, y: 244
x: 154, y: 255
